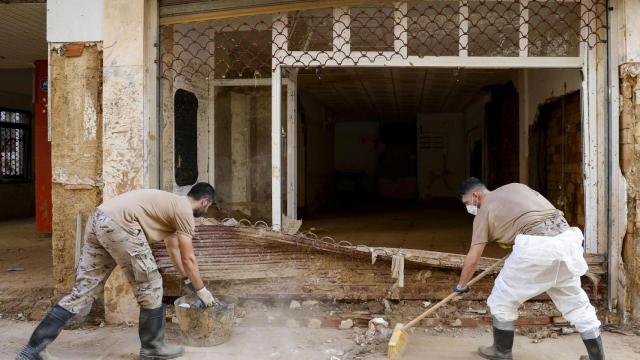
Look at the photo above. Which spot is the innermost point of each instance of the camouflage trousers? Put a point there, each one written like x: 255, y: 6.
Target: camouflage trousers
x: 107, y: 244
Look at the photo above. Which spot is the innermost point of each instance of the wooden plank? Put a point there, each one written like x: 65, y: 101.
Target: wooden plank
x: 201, y: 12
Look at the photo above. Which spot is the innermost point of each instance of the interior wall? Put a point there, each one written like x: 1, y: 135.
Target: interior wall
x: 243, y: 150
x: 474, y: 135
x: 356, y: 158
x: 319, y: 157
x: 502, y: 135
x: 398, y: 178
x: 16, y: 90
x: 547, y: 84
x: 441, y: 155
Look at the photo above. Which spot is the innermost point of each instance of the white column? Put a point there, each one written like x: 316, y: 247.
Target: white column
x: 589, y: 137
x: 280, y: 41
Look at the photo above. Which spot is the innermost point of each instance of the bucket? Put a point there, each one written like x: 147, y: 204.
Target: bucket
x: 205, y: 326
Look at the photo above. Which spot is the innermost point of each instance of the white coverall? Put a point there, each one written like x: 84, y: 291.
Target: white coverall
x: 545, y: 264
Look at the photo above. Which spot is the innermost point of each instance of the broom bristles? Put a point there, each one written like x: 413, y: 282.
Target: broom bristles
x: 397, y: 343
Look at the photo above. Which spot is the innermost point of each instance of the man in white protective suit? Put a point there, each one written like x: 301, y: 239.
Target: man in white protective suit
x: 547, y: 257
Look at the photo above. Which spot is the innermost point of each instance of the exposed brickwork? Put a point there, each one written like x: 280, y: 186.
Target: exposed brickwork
x: 630, y: 164
x: 555, y: 152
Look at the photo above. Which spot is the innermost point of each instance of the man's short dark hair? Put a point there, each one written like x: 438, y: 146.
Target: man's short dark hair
x: 472, y: 183
x: 202, y: 190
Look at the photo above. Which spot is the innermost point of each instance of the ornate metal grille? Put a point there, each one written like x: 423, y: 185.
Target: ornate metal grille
x: 378, y: 34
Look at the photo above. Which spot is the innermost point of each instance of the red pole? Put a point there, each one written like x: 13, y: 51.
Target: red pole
x: 42, y: 150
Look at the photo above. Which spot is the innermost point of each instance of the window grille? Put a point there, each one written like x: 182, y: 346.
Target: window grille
x: 15, y: 145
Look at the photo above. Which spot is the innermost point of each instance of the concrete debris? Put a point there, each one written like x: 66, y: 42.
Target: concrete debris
x: 426, y: 304
x: 314, y: 324
x: 537, y: 334
x: 294, y: 305
x: 310, y: 303
x: 20, y: 317
x: 378, y: 328
x: 346, y: 324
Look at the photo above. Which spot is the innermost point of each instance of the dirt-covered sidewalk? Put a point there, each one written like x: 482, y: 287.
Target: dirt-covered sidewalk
x: 280, y: 342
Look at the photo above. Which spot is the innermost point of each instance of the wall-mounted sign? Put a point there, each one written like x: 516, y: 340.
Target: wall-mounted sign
x: 44, y: 83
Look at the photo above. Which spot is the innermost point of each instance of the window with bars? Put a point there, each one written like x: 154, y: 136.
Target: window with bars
x: 15, y: 145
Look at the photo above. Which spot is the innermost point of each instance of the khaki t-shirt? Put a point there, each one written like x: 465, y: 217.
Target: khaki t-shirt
x: 160, y: 214
x: 508, y: 211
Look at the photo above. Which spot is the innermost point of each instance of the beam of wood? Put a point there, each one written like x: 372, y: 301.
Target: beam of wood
x: 199, y: 13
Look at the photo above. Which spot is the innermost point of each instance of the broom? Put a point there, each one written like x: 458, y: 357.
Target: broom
x: 398, y: 341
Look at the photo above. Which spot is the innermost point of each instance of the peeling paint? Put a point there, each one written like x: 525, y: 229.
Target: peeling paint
x: 75, y: 153
x: 630, y: 163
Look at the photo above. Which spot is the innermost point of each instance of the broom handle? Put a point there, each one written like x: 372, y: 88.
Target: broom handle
x: 453, y: 294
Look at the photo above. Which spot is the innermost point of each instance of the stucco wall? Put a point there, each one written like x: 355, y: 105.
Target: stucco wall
x: 76, y: 149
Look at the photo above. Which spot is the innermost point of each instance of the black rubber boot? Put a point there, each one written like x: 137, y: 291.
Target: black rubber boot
x: 594, y: 348
x: 47, y: 331
x: 151, y: 331
x: 501, y: 348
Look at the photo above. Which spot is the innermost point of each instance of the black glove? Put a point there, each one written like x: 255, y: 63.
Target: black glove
x: 188, y: 284
x: 461, y: 290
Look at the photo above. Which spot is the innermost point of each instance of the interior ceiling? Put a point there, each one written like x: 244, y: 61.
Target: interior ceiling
x: 23, y: 37
x: 381, y: 91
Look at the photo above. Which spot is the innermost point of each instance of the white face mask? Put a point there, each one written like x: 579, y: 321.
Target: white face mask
x: 472, y: 208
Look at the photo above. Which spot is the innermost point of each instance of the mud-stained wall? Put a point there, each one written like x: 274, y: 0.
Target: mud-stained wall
x: 630, y: 163
x: 126, y: 129
x: 76, y: 150
x: 555, y: 156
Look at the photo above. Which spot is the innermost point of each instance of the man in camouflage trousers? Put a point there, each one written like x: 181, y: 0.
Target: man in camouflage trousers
x: 119, y: 233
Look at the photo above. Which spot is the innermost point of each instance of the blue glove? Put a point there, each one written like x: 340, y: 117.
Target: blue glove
x: 461, y: 290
